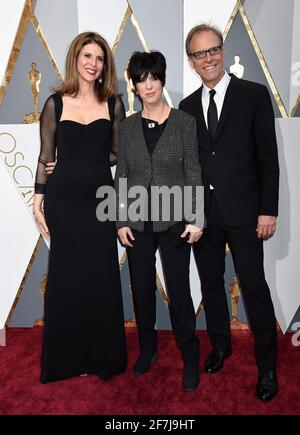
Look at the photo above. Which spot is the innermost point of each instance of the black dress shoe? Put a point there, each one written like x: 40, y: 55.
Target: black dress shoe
x: 215, y: 360
x: 190, y: 376
x: 267, y: 386
x: 143, y: 362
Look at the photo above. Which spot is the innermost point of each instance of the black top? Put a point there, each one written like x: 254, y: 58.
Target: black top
x: 152, y: 132
x: 49, y: 126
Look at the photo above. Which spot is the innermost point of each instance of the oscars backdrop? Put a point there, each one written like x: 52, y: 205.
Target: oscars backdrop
x: 262, y: 43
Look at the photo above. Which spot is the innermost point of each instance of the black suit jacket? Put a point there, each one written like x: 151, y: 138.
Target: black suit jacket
x: 242, y: 162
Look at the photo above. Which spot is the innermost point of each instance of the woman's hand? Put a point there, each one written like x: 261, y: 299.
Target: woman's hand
x: 49, y: 168
x: 41, y: 222
x: 124, y: 235
x: 195, y: 233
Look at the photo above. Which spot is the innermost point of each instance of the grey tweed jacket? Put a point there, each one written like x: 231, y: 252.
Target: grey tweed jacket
x: 174, y: 162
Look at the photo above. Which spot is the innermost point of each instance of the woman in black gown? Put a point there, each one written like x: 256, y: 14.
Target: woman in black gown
x: 83, y: 319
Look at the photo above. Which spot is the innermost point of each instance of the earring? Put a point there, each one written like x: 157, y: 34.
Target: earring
x: 100, y: 79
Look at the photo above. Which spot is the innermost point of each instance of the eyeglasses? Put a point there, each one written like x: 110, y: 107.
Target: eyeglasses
x: 203, y: 53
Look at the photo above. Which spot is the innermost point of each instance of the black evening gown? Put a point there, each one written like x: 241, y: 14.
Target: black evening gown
x: 83, y: 313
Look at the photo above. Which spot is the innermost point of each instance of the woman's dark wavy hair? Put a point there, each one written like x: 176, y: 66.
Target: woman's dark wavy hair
x: 141, y: 64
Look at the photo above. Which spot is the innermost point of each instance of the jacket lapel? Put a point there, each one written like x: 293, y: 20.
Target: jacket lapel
x: 229, y: 100
x: 140, y: 138
x: 203, y: 135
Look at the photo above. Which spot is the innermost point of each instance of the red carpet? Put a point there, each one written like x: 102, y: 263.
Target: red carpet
x: 159, y: 392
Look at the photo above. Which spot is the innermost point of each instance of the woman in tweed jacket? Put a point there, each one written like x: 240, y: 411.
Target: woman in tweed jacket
x: 158, y: 149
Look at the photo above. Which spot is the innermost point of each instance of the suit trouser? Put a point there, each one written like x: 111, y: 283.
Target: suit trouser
x: 247, y: 253
x: 176, y: 262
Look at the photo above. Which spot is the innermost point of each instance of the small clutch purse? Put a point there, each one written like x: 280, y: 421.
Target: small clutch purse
x: 175, y: 232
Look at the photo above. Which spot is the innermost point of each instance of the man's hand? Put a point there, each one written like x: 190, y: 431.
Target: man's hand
x: 266, y: 226
x: 195, y: 233
x: 125, y: 234
x: 50, y: 167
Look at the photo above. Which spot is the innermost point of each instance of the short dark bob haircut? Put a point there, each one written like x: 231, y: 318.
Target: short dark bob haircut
x: 141, y: 64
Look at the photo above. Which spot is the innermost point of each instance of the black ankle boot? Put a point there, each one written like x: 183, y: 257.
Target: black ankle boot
x: 215, y: 360
x: 190, y: 376
x: 143, y: 362
x: 267, y: 386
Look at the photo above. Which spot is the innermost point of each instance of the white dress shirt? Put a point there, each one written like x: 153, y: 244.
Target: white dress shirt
x: 220, y: 89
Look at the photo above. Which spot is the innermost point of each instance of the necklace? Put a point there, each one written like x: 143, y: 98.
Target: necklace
x: 152, y: 123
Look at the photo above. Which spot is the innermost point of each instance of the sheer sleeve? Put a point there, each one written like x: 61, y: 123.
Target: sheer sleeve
x: 119, y: 115
x: 48, y: 144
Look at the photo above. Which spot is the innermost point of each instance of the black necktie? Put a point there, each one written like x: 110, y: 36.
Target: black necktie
x: 212, y: 115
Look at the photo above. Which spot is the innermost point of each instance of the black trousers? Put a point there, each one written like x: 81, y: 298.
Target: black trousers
x: 247, y: 252
x: 176, y: 261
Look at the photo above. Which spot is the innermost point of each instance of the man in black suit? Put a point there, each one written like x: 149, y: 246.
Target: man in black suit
x: 238, y: 154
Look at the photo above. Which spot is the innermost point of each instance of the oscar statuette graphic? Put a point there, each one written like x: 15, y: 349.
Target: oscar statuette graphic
x: 131, y: 323
x: 43, y: 283
x: 130, y: 94
x: 235, y: 293
x: 237, y: 69
x: 34, y: 78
